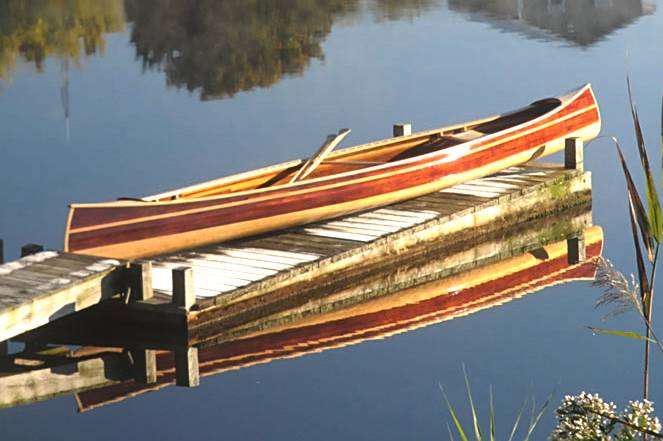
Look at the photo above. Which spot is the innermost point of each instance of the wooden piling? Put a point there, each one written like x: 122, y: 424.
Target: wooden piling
x: 573, y: 154
x: 145, y: 366
x: 31, y: 248
x: 4, y: 348
x: 576, y: 250
x: 186, y: 367
x: 140, y: 280
x: 183, y: 288
x: 402, y: 129
x: 2, y: 252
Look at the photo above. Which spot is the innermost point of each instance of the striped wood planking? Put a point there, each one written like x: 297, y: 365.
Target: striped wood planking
x: 226, y: 268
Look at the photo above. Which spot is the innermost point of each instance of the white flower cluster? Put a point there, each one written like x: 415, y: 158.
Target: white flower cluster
x: 639, y: 414
x: 586, y: 417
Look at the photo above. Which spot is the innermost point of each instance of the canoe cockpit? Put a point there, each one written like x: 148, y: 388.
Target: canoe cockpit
x: 369, y: 155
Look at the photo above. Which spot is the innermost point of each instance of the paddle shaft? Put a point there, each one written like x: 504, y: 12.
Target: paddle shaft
x: 330, y: 143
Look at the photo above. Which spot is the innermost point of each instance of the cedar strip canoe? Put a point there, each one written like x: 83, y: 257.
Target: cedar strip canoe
x: 424, y: 305
x: 349, y: 180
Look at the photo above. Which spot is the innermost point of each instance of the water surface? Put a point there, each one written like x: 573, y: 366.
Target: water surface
x: 100, y: 99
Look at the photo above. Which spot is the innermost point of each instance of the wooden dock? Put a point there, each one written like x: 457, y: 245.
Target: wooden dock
x: 42, y: 287
x: 189, y: 294
x: 421, y: 289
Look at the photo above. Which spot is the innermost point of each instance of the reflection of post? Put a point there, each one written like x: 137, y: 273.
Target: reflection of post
x: 2, y: 252
x: 64, y: 96
x: 576, y: 250
x: 186, y: 367
x: 145, y: 366
x: 4, y: 348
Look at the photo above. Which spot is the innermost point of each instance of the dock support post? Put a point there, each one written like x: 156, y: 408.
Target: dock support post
x: 140, y: 280
x: 4, y: 348
x: 145, y: 366
x: 402, y: 129
x: 183, y: 289
x: 31, y: 248
x: 576, y: 250
x: 2, y: 252
x: 186, y: 367
x: 573, y: 154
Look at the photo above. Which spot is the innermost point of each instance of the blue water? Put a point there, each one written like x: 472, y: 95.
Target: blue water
x: 134, y: 128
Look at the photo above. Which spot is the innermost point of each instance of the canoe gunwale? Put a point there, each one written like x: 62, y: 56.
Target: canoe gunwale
x: 565, y: 101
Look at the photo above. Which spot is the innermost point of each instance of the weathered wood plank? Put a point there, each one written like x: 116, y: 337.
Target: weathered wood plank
x: 349, y: 228
x: 42, y: 287
x: 263, y: 257
x: 288, y: 254
x: 325, y: 232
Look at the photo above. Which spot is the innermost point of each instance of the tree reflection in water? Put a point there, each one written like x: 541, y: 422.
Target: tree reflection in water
x: 67, y: 29
x: 220, y: 48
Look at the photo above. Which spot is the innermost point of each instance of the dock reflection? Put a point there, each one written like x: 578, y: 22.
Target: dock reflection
x: 582, y: 22
x: 426, y: 287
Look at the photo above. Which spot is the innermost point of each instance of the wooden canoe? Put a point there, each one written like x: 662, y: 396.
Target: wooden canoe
x: 349, y: 180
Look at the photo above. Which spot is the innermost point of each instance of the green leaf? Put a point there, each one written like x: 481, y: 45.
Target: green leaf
x: 653, y: 203
x: 475, y: 419
x: 454, y: 416
x: 516, y: 423
x: 641, y: 215
x: 535, y: 421
x: 627, y: 334
x: 642, y: 272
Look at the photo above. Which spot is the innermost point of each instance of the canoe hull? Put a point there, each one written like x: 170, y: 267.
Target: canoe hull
x: 141, y: 229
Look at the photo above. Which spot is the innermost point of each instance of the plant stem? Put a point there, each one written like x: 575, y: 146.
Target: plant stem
x: 648, y: 322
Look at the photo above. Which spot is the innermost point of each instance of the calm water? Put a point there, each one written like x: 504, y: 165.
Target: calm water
x: 162, y: 94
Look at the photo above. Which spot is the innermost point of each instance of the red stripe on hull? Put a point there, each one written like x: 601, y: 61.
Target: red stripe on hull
x: 95, y: 216
x: 315, y: 199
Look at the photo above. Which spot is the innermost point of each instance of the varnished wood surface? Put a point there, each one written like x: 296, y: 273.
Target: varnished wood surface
x: 130, y: 229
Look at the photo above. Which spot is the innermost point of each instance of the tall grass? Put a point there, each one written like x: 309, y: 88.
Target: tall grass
x: 647, y: 232
x: 475, y: 428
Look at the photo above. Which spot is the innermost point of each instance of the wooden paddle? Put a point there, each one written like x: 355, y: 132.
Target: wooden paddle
x: 310, y: 165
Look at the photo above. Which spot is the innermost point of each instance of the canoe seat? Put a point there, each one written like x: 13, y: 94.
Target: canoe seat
x: 439, y: 142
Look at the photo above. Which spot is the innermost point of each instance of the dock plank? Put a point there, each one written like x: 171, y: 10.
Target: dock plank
x: 39, y: 288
